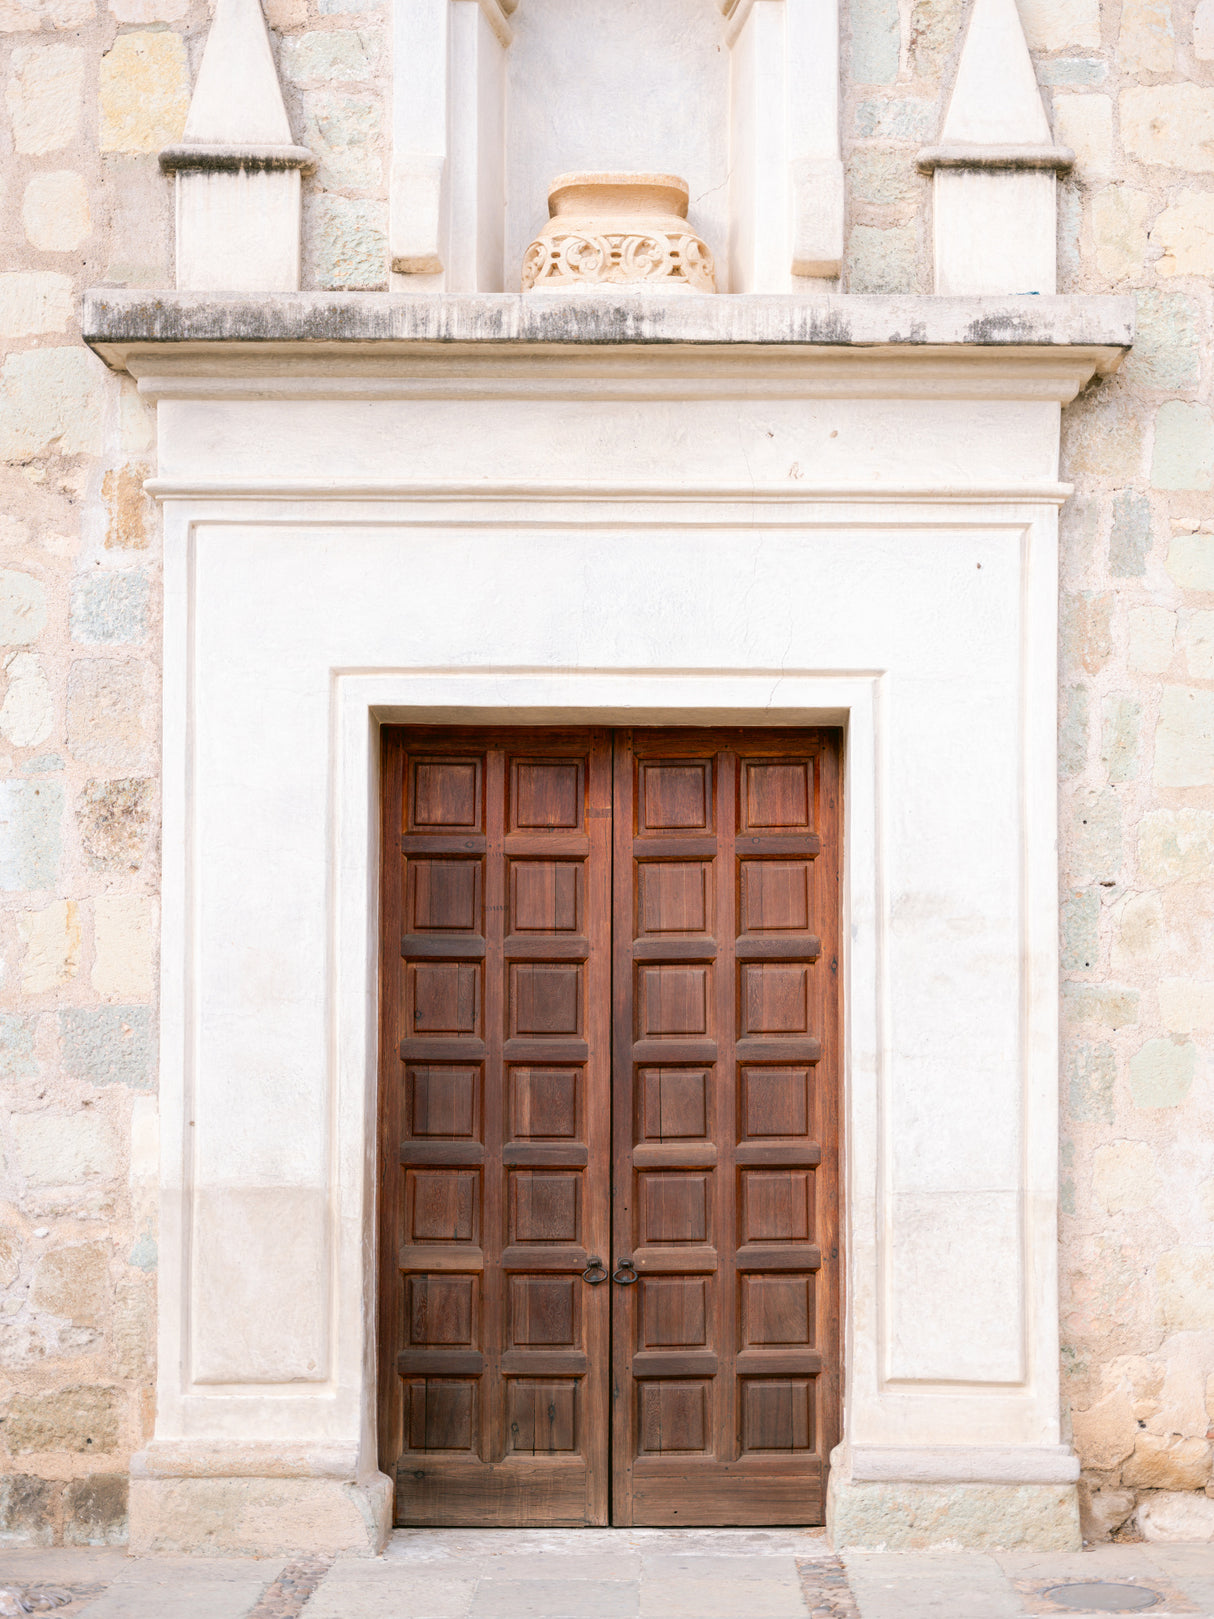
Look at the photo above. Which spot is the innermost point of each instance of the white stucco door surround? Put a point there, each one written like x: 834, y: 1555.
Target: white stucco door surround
x: 755, y: 510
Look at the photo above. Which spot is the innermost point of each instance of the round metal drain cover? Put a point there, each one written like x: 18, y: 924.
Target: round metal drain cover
x: 1102, y: 1596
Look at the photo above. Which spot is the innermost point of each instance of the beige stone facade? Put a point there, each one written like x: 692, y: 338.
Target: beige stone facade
x: 91, y: 95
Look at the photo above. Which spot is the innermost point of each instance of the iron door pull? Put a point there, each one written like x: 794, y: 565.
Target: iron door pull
x: 618, y: 1275
x: 596, y: 1264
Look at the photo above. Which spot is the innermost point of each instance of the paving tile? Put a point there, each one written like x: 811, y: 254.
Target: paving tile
x: 151, y: 1591
x: 552, y: 1599
x: 612, y: 1564
x: 1094, y: 1563
x: 722, y: 1598
x: 376, y: 1592
x: 690, y: 1566
x: 908, y: 1585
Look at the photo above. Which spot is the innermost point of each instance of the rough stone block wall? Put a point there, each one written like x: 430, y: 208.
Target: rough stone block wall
x: 92, y: 91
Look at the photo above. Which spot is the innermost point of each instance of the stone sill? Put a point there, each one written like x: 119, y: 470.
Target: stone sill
x: 116, y: 322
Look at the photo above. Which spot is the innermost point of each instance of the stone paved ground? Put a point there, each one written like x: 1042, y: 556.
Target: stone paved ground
x: 608, y: 1574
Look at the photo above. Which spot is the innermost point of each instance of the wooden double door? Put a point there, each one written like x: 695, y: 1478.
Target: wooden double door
x: 609, y: 1125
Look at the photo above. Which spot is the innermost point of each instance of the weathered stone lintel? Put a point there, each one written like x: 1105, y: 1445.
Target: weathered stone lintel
x: 113, y: 317
x: 1060, y: 158
x: 965, y: 1464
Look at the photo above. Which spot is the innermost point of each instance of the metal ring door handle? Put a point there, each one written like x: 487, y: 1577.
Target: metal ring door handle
x: 618, y: 1275
x: 596, y: 1264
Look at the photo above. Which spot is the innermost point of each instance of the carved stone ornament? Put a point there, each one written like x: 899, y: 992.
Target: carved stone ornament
x: 625, y: 231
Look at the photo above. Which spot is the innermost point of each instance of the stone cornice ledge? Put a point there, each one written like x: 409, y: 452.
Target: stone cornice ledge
x: 117, y: 323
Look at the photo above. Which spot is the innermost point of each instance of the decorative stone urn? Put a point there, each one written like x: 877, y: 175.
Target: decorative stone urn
x: 626, y: 231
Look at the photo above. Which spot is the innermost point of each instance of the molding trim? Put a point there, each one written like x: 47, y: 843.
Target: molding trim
x: 229, y: 158
x: 1060, y: 158
x: 964, y: 1464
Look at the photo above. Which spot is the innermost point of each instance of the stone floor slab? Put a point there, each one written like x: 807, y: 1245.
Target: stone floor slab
x: 689, y: 1566
x: 138, y: 1596
x: 553, y: 1599
x: 350, y: 1594
x: 722, y: 1598
x: 907, y: 1585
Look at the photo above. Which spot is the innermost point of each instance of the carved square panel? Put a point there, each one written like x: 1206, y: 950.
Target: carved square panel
x: 545, y: 896
x: 773, y: 1102
x: 545, y: 1206
x: 443, y: 997
x: 545, y: 1312
x: 440, y: 1311
x: 673, y: 1312
x: 445, y: 795
x: 776, y: 1414
x: 546, y: 794
x: 777, y: 1311
x: 541, y: 1417
x: 673, y: 1206
x: 777, y: 795
x: 774, y: 998
x: 546, y: 1104
x: 545, y: 998
x: 673, y: 1000
x: 674, y: 1416
x: 442, y: 1205
x: 674, y: 1103
x: 443, y: 895
x: 674, y: 896
x: 774, y: 896
x: 674, y: 795
x: 774, y: 1205
x: 440, y: 1413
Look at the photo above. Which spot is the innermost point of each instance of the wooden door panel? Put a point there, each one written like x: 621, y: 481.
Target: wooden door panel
x: 725, y: 1126
x: 495, y: 1163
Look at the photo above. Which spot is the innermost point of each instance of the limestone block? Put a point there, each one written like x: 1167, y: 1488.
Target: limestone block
x: 1120, y: 215
x: 881, y: 176
x: 1184, y: 447
x: 1191, y: 561
x: 350, y: 242
x: 73, y: 1419
x: 16, y: 1047
x: 1119, y: 737
x: 1203, y: 31
x: 284, y: 16
x: 1130, y: 535
x: 1080, y: 930
x: 334, y: 57
x: 1124, y: 1180
x: 106, y: 713
x: 95, y: 1508
x: 1103, y: 1511
x: 977, y: 1517
x: 1176, y: 845
x: 74, y: 1283
x: 1171, y: 124
x: 1085, y: 124
x: 995, y: 231
x: 1109, y: 1006
x: 108, y: 1045
x: 27, y: 1504
x: 876, y: 41
x: 1162, y: 1073
x: 1170, y: 1463
x: 1140, y: 936
x: 51, y: 398
x: 145, y: 92
x: 1073, y: 732
x: 1167, y: 342
x: 45, y: 96
x: 64, y: 1149
x: 1153, y: 640
x: 1052, y: 25
x: 27, y: 712
x: 136, y: 11
x: 258, y: 1517
x: 905, y: 119
x: 1171, y: 1517
x: 344, y: 133
x: 934, y: 28
x: 51, y: 941
x: 1185, y: 233
x: 1093, y: 846
x: 1186, y: 1005
x: 114, y: 819
x: 31, y: 813
x: 1105, y: 1432
x: 1091, y: 1075
x: 1184, y: 1286
x: 33, y: 302
x: 109, y: 608
x: 129, y: 507
x: 238, y: 230
x: 1103, y: 439
x: 123, y: 942
x: 1184, y: 738
x: 1086, y: 635
x: 1197, y: 643
x: 22, y: 607
x: 1146, y: 43
x: 883, y: 260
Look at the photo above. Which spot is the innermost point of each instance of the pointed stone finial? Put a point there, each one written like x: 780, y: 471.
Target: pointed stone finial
x: 238, y: 171
x: 996, y: 187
